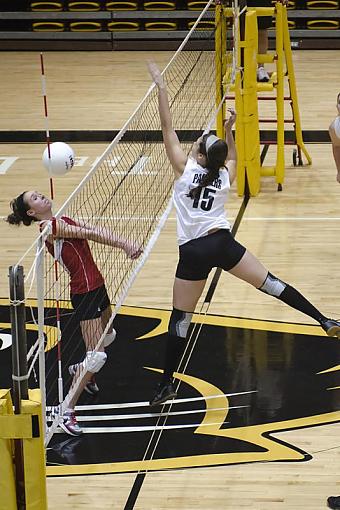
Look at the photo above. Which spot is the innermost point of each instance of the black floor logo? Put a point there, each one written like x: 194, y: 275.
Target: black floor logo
x: 243, y: 382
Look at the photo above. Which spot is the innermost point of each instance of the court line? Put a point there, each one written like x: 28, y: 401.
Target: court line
x: 151, y: 428
x: 113, y: 417
x: 93, y: 407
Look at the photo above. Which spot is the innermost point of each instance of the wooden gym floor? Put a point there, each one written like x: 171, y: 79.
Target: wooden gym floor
x: 266, y: 345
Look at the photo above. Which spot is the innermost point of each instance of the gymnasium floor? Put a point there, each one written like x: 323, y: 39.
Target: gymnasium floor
x: 269, y: 436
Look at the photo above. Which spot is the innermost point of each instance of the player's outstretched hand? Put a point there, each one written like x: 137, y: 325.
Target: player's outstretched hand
x: 155, y: 73
x: 231, y: 120
x: 132, y: 250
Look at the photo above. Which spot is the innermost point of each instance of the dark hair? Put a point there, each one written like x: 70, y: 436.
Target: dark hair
x: 216, y: 156
x: 19, y: 214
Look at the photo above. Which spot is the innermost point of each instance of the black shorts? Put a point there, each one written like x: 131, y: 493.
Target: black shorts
x: 198, y: 256
x: 262, y: 21
x: 90, y: 305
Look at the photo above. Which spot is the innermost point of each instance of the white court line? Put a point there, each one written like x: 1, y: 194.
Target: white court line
x: 123, y: 405
x: 146, y: 404
x: 113, y: 417
x: 114, y: 430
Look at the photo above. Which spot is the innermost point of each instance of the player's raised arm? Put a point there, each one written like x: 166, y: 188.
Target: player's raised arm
x: 175, y: 153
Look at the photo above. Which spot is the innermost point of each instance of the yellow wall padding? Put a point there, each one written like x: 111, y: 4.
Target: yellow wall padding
x: 323, y: 24
x: 291, y: 24
x: 28, y: 426
x: 121, y: 6
x: 34, y: 455
x: 322, y: 4
x: 85, y: 26
x: 159, y: 6
x: 291, y: 4
x: 202, y: 25
x: 160, y: 25
x: 47, y: 6
x: 48, y: 26
x: 8, y: 500
x: 198, y: 5
x: 123, y: 26
x: 84, y: 6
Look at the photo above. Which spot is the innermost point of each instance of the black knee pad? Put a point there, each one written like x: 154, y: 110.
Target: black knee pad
x: 179, y: 323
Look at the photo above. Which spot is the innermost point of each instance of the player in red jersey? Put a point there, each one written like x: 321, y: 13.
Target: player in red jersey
x: 69, y: 245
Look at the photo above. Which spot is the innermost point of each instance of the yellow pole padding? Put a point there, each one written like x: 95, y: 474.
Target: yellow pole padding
x: 250, y: 117
x: 8, y: 500
x: 34, y: 454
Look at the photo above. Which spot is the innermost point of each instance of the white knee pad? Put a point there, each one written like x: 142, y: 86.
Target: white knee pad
x: 179, y: 322
x: 94, y: 361
x: 273, y: 286
x: 109, y: 338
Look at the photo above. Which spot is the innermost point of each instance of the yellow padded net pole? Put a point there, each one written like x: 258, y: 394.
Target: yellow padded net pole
x: 250, y: 116
x: 27, y: 426
x: 8, y: 500
x: 34, y: 454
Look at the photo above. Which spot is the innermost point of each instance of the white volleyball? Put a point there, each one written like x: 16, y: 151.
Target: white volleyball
x: 61, y: 160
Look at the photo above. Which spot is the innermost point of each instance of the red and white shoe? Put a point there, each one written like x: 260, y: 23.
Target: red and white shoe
x: 69, y: 423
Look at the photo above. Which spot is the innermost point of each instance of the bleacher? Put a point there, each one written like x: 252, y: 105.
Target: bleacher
x: 138, y: 24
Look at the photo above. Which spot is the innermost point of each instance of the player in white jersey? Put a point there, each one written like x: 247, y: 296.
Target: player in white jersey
x: 201, y: 190
x: 334, y: 132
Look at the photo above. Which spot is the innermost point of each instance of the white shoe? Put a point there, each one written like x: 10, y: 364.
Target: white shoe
x: 262, y: 75
x: 109, y: 338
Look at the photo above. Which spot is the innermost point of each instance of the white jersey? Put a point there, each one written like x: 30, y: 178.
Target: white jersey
x: 196, y: 216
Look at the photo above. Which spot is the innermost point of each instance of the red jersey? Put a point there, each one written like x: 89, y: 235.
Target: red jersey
x: 75, y: 256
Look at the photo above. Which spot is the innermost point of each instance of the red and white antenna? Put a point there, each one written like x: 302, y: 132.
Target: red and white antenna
x: 44, y: 92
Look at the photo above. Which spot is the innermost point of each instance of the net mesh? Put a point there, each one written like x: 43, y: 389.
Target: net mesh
x: 127, y: 193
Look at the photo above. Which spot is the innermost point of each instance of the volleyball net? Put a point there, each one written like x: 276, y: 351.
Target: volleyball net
x: 126, y: 194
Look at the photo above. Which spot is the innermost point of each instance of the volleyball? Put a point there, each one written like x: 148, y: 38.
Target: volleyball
x: 62, y: 158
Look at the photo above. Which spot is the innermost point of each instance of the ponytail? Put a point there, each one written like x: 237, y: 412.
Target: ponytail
x: 19, y: 214
x: 215, y: 150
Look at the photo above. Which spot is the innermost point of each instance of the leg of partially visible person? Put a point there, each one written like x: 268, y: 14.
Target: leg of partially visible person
x: 91, y: 331
x: 263, y: 23
x: 186, y: 294
x: 262, y: 74
x: 334, y: 132
x: 252, y: 271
